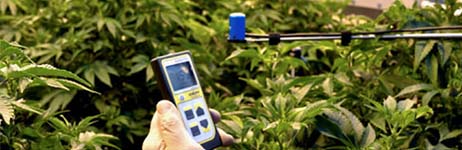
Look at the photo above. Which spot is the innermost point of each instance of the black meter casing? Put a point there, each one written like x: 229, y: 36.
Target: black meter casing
x: 178, y: 82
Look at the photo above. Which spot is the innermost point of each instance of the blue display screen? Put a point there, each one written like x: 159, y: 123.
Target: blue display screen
x: 181, y: 75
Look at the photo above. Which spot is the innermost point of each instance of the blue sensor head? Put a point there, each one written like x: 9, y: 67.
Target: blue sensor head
x: 237, y: 27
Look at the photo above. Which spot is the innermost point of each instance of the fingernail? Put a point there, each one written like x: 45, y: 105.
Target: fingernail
x: 163, y: 107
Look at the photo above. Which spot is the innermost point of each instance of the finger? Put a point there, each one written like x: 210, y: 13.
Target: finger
x: 172, y: 129
x: 226, y: 139
x: 216, y: 117
x: 153, y: 140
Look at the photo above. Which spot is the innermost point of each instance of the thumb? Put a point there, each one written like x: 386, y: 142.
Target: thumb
x: 172, y: 129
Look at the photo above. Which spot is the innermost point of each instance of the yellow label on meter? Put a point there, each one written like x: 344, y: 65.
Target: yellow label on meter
x: 188, y: 95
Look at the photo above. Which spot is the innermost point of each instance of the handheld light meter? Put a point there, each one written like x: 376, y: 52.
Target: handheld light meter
x: 179, y: 83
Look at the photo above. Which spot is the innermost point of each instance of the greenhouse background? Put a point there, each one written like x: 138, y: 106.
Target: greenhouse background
x: 76, y: 74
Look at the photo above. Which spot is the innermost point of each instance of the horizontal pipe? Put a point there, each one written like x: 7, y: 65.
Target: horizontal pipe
x: 369, y: 36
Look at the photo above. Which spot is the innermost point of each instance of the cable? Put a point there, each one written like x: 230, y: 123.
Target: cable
x: 252, y: 35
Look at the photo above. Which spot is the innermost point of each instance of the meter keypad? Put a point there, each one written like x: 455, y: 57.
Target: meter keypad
x: 204, y: 123
x: 195, y: 130
x: 199, y: 111
x: 189, y: 114
x: 195, y: 114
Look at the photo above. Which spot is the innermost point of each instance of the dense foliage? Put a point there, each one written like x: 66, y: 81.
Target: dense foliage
x: 370, y: 94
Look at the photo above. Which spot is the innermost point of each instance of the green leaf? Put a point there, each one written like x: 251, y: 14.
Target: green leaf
x: 390, y: 103
x: 102, y: 70
x: 86, y: 122
x: 356, y: 125
x: 103, y: 75
x: 428, y: 96
x: 432, y: 69
x: 379, y: 121
x: 422, y: 51
x: 100, y: 24
x: 448, y: 46
x: 72, y: 84
x: 54, y: 83
x: 57, y: 100
x: 341, y: 120
x: 89, y: 75
x: 331, y: 129
x: 111, y: 25
x: 328, y: 86
x: 23, y: 84
x: 141, y: 62
x: 406, y: 104
x: 244, y: 54
x: 414, y: 88
x: 452, y: 134
x: 139, y: 21
x: 4, y: 45
x: 58, y: 124
x: 149, y: 73
x: 20, y: 103
x: 300, y: 93
x: 6, y: 110
x: 368, y: 136
x: 12, y: 7
x: 257, y: 85
x: 45, y: 71
x: 12, y: 51
x: 424, y: 111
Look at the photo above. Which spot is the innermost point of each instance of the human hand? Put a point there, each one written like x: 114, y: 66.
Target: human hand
x: 168, y: 132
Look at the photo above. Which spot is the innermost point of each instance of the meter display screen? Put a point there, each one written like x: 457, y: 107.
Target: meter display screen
x: 181, y: 75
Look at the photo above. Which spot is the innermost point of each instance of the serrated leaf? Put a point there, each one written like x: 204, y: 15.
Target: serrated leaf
x: 110, y: 25
x: 340, y: 119
x: 99, y: 24
x: 379, y: 122
x: 23, y: 84
x: 414, y: 88
x: 390, y: 103
x: 34, y: 70
x: 4, y: 45
x: 6, y: 110
x: 103, y: 75
x: 357, y: 126
x: 300, y: 93
x: 423, y: 111
x: 149, y: 73
x: 72, y: 84
x: 406, y: 104
x: 58, y: 124
x: 452, y: 134
x: 271, y: 125
x: 139, y: 21
x: 57, y: 100
x: 3, y: 5
x: 328, y: 86
x: 20, y: 104
x: 105, y: 67
x: 368, y: 136
x: 447, y: 52
x: 244, y: 54
x: 232, y: 126
x: 11, y: 51
x: 12, y: 7
x: 257, y: 85
x: 141, y: 62
x: 86, y: 122
x: 54, y: 83
x: 421, y: 51
x: 428, y: 96
x: 432, y: 69
x: 331, y: 129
